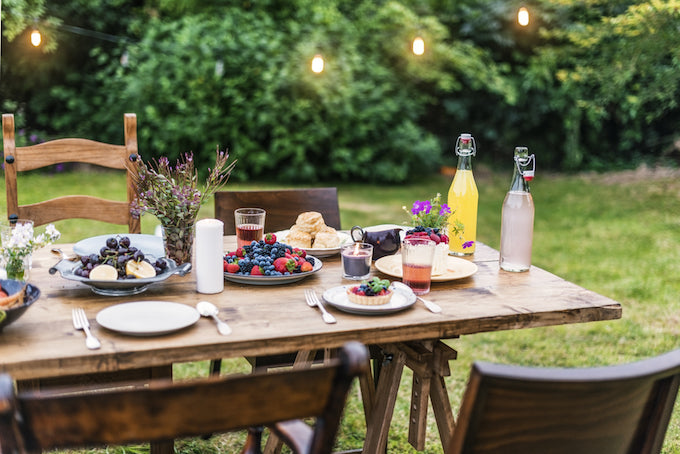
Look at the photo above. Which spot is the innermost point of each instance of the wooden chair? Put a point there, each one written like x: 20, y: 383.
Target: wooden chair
x: 282, y: 206
x: 605, y: 410
x: 35, y: 422
x: 20, y: 159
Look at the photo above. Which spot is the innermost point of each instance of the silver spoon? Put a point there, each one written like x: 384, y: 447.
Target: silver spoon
x: 432, y: 307
x: 207, y: 309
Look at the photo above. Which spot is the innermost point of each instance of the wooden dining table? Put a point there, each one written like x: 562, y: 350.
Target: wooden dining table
x: 275, y: 319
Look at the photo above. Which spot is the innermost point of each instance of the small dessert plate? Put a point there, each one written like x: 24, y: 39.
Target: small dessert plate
x: 337, y: 297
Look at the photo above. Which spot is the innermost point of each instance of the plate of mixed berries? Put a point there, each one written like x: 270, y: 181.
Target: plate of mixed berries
x: 269, y: 262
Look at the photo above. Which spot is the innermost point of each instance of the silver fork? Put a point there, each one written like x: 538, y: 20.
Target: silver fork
x: 80, y: 322
x: 313, y: 300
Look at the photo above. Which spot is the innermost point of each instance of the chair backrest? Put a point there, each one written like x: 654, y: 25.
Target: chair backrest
x: 282, y: 206
x: 19, y: 159
x: 38, y: 421
x: 621, y: 409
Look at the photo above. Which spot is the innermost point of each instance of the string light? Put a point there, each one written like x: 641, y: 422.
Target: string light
x: 418, y: 46
x: 317, y: 64
x: 36, y: 38
x: 523, y: 17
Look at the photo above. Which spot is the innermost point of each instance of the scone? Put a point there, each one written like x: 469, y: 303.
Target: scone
x: 310, y: 222
x: 299, y: 238
x: 326, y: 239
x: 370, y: 293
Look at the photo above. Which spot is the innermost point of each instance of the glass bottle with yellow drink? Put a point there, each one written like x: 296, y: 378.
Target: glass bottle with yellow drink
x: 463, y: 199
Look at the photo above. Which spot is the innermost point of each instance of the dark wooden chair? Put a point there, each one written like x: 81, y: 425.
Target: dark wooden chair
x: 621, y: 409
x: 282, y: 206
x: 35, y: 422
x: 20, y: 159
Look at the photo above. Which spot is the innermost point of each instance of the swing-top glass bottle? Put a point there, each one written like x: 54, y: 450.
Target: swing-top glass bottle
x: 517, y: 224
x: 463, y: 199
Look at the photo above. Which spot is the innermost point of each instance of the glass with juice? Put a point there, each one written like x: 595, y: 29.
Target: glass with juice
x: 417, y: 255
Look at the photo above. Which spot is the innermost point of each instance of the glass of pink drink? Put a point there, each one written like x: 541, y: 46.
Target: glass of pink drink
x: 249, y: 225
x: 417, y: 255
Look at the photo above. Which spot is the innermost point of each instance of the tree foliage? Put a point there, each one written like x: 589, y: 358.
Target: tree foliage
x: 587, y: 84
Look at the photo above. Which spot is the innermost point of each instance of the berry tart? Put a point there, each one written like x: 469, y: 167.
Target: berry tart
x: 371, y: 293
x: 441, y: 250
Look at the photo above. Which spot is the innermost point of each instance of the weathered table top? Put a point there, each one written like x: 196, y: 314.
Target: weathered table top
x: 275, y: 319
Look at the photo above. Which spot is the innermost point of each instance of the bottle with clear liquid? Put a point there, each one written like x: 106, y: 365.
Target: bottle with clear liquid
x: 463, y: 199
x: 517, y: 224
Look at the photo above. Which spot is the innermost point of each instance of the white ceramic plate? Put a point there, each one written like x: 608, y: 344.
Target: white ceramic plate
x: 273, y: 280
x: 337, y: 297
x: 148, y: 244
x: 315, y: 251
x: 147, y: 318
x: 456, y: 268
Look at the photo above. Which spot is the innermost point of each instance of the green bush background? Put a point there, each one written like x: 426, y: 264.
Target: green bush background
x: 587, y: 85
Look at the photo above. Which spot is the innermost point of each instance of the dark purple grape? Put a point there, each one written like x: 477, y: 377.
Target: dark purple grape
x: 85, y: 259
x: 161, y: 264
x: 124, y: 242
x: 122, y: 259
x: 138, y: 256
x: 111, y: 243
x: 85, y: 273
x: 94, y: 258
x: 103, y: 251
x: 122, y: 250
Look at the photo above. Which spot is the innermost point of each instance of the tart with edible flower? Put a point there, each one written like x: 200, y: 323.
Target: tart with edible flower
x: 370, y: 293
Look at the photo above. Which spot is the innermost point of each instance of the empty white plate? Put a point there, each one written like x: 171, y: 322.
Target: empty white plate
x: 147, y: 318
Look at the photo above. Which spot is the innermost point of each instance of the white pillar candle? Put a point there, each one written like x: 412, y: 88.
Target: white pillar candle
x: 209, y: 256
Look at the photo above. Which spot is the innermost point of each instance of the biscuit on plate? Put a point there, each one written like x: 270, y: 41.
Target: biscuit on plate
x: 310, y: 221
x: 299, y: 238
x: 326, y: 239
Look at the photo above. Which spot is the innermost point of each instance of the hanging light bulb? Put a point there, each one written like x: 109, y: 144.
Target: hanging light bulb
x: 523, y: 17
x: 36, y: 38
x: 317, y: 63
x: 418, y: 46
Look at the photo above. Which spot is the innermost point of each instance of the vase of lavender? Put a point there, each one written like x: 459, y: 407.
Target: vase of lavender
x: 171, y: 193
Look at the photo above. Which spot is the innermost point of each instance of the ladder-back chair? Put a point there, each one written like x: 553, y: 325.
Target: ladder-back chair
x: 20, y: 159
x: 36, y: 422
x: 623, y: 409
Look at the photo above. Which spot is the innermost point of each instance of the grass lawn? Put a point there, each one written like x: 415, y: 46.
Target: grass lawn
x: 618, y: 235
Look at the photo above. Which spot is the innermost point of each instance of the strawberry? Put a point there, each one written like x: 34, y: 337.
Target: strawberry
x: 444, y: 238
x: 300, y: 252
x: 283, y: 264
x: 306, y: 266
x: 224, y: 265
x: 257, y: 271
x: 270, y: 238
x: 232, y: 268
x: 240, y: 252
x: 434, y: 237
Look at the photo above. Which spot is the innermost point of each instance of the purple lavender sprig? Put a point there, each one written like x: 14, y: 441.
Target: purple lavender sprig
x: 171, y: 193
